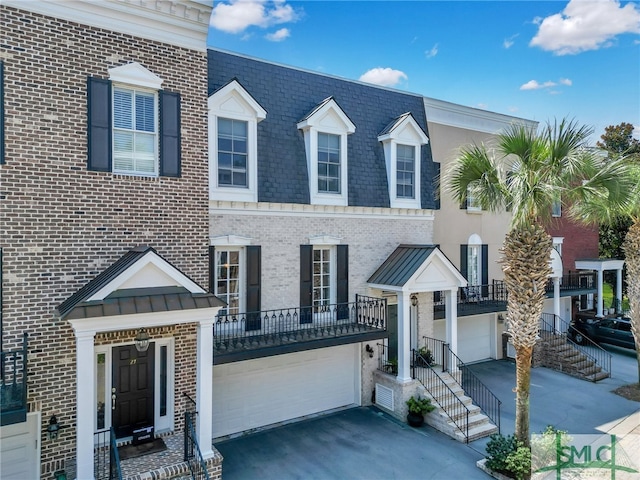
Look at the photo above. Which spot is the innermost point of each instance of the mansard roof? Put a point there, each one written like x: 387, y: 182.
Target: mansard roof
x: 291, y: 94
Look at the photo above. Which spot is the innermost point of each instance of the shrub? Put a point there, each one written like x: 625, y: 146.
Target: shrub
x: 420, y: 405
x: 499, y: 448
x: 518, y: 463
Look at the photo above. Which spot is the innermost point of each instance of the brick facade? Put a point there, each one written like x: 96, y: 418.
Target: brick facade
x: 63, y: 224
x: 580, y: 241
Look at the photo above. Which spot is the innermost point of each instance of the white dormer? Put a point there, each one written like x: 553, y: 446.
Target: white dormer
x: 325, y: 131
x: 402, y: 141
x: 233, y: 144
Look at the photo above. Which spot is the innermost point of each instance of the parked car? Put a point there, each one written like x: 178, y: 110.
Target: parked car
x: 616, y: 331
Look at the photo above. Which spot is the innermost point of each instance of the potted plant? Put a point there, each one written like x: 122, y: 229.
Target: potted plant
x: 391, y: 366
x: 417, y: 409
x: 425, y: 355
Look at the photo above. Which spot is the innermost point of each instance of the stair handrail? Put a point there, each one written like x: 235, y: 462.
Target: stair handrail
x: 192, y: 453
x: 550, y: 321
x: 420, y: 369
x: 481, y: 395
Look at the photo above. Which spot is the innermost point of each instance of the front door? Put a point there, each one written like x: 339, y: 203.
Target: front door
x: 133, y: 381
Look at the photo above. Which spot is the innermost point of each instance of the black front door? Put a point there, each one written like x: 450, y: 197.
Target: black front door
x: 132, y: 385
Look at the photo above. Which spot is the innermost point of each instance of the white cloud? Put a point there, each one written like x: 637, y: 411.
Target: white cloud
x: 238, y: 15
x: 431, y: 53
x: 535, y: 85
x: 386, y: 77
x: 508, y: 42
x: 278, y: 35
x: 585, y: 25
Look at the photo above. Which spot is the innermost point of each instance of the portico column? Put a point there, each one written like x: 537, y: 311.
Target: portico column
x: 404, y: 336
x: 85, y: 382
x: 600, y: 301
x: 556, y: 303
x: 619, y: 290
x: 451, y: 318
x: 204, y: 385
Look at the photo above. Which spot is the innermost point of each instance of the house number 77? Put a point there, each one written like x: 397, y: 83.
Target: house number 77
x: 133, y: 361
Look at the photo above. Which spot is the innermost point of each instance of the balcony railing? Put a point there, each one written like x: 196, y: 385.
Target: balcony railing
x: 575, y: 281
x: 13, y: 386
x: 267, y: 328
x: 474, y: 299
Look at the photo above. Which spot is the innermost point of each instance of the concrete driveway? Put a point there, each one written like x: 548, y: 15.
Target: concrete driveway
x: 364, y: 443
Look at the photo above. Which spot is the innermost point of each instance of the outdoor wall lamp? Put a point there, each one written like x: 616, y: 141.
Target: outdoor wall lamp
x: 500, y: 318
x: 142, y: 340
x: 53, y: 428
x: 369, y: 350
x: 414, y: 300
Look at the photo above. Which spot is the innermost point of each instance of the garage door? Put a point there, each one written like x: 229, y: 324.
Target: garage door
x: 20, y: 450
x: 264, y: 391
x: 474, y: 338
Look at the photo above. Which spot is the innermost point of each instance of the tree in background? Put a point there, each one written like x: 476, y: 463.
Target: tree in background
x: 617, y: 140
x: 526, y: 173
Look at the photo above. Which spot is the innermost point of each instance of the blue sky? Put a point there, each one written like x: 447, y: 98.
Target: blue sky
x: 533, y: 59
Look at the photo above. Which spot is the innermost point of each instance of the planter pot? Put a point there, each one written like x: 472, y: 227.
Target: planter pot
x: 415, y: 419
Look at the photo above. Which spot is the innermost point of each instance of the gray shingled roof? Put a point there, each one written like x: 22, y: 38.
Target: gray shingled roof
x: 401, y: 265
x: 158, y: 299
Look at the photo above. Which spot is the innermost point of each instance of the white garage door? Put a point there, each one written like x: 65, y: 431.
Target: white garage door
x: 474, y: 338
x: 260, y: 392
x: 20, y: 449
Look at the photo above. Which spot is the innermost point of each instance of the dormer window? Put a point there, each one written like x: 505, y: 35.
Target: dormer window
x: 233, y: 144
x: 402, y: 140
x: 325, y: 131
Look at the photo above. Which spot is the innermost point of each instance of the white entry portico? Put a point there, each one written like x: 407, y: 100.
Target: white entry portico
x: 414, y: 269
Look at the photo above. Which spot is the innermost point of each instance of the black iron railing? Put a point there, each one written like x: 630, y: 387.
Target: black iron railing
x: 441, y: 393
x: 192, y: 453
x: 106, y: 461
x: 386, y: 364
x: 443, y: 358
x: 13, y: 386
x: 575, y: 281
x: 475, y: 299
x: 591, y: 353
x: 269, y: 327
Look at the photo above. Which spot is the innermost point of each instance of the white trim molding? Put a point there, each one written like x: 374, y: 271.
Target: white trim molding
x: 324, y: 240
x: 328, y: 118
x: 405, y: 131
x: 135, y: 74
x: 233, y: 102
x: 183, y: 23
x: 230, y: 240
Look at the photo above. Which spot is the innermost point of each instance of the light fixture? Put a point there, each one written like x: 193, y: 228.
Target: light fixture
x: 500, y: 318
x: 369, y: 350
x: 53, y: 428
x: 414, y: 300
x: 142, y: 340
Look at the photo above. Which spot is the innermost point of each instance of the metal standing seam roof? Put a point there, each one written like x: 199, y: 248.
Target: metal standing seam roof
x: 138, y: 301
x: 400, y: 266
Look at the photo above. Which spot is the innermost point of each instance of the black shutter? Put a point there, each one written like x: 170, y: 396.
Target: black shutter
x: 436, y: 185
x: 99, y: 124
x: 169, y: 134
x: 306, y: 283
x: 485, y: 270
x: 254, y: 280
x: 212, y: 269
x: 342, y: 281
x: 464, y: 256
x: 1, y: 113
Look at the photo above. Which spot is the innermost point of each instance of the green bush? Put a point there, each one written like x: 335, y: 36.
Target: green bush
x: 519, y: 462
x: 420, y: 405
x: 499, y: 448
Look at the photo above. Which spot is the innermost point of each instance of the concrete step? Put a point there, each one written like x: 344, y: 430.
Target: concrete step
x: 479, y: 431
x: 596, y: 377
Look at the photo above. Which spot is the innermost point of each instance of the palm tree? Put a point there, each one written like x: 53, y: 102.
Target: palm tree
x: 526, y: 173
x: 597, y: 209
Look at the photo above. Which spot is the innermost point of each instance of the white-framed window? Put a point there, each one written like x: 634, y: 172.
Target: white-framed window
x: 556, y: 208
x: 324, y: 283
x: 135, y: 120
x: 406, y: 171
x: 325, y: 131
x: 229, y: 279
x: 472, y: 203
x: 402, y: 142
x: 135, y: 131
x: 232, y: 153
x: 474, y: 260
x: 233, y: 143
